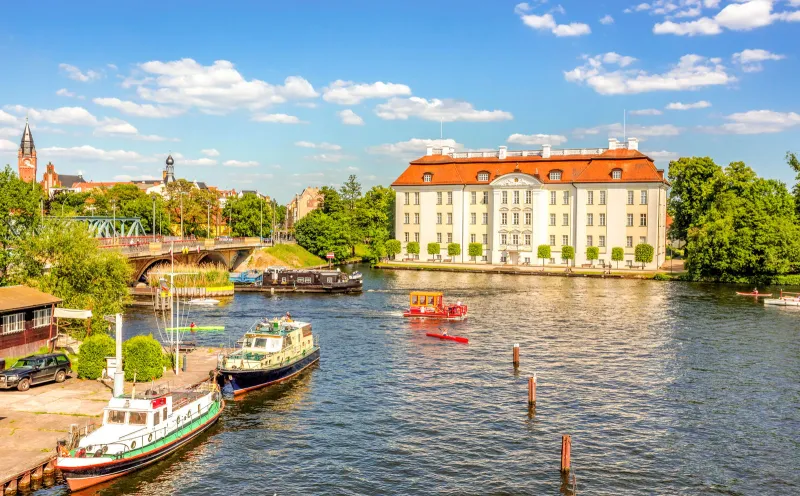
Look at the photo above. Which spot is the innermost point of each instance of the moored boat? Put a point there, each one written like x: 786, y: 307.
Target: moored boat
x: 138, y: 431
x: 208, y: 302
x: 283, y: 280
x: 272, y: 352
x: 786, y: 299
x: 757, y: 295
x: 430, y: 305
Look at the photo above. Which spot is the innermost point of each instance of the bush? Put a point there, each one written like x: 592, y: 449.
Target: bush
x: 92, y: 355
x: 661, y: 277
x: 143, y: 356
x: 617, y: 255
x: 392, y: 247
x: 644, y: 253
x: 543, y: 252
x: 592, y: 253
x: 453, y: 249
x: 567, y: 253
x: 434, y: 248
x: 413, y: 248
x: 475, y: 250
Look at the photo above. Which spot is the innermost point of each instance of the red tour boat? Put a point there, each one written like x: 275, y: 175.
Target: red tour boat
x: 430, y: 305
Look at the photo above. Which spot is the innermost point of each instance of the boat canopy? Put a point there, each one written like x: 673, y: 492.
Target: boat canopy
x: 429, y: 299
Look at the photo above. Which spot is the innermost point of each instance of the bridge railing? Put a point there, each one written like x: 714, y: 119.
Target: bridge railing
x: 145, y: 244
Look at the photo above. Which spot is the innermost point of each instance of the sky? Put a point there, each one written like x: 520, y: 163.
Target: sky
x: 275, y: 96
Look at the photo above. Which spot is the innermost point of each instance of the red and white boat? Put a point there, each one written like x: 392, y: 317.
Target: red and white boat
x: 430, y: 305
x: 457, y: 339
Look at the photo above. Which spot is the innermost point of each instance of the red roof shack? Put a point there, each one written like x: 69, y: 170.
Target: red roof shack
x: 26, y: 320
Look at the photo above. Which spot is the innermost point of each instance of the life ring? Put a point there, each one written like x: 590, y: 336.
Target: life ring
x: 133, y: 444
x: 150, y: 438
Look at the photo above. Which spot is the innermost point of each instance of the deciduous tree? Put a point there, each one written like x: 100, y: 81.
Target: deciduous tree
x: 543, y: 252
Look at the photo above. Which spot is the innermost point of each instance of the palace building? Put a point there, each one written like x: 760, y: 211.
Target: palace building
x: 513, y: 201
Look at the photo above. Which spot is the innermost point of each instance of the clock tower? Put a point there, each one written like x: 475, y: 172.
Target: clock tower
x: 26, y: 158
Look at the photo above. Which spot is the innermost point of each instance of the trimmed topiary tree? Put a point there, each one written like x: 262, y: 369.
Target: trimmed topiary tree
x: 92, y: 355
x: 543, y: 252
x: 644, y: 253
x: 392, y: 248
x: 453, y: 249
x: 434, y: 249
x: 475, y: 250
x: 592, y: 254
x: 567, y: 254
x: 143, y: 356
x: 617, y: 255
x: 412, y: 248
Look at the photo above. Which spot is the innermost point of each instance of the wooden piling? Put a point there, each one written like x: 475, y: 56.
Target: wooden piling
x: 11, y: 488
x: 532, y: 392
x: 24, y: 482
x: 566, y: 449
x: 516, y: 355
x: 37, y: 473
x: 49, y: 468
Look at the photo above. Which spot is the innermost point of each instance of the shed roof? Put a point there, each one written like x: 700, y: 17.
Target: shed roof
x: 23, y: 297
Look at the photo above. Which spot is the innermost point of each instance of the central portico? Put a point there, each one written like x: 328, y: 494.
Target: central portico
x: 519, y: 220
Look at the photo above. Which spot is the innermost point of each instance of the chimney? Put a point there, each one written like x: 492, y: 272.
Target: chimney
x: 612, y: 143
x: 546, y: 150
x: 447, y: 150
x: 633, y: 144
x: 503, y: 152
x: 429, y: 151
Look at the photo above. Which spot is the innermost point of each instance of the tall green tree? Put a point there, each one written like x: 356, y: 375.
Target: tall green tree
x: 374, y: 217
x: 350, y: 192
x: 250, y: 215
x: 693, y: 181
x: 20, y: 211
x: 187, y: 202
x: 331, y: 200
x: 794, y: 164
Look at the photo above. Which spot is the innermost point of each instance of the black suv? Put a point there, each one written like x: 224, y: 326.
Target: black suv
x: 35, y: 369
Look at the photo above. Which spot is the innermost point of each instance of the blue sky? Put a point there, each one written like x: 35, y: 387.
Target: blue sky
x: 275, y: 96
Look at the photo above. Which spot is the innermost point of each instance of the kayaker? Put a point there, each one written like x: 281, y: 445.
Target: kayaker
x: 444, y: 332
x: 192, y: 327
x: 755, y: 291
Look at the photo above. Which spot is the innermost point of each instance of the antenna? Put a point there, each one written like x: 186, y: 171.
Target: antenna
x: 441, y: 128
x: 624, y: 125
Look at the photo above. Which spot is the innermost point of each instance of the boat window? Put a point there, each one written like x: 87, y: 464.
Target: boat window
x: 116, y: 417
x: 138, y: 418
x: 414, y: 300
x: 156, y: 418
x: 260, y: 343
x: 164, y: 414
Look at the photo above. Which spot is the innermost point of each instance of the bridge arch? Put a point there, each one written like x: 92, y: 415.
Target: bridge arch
x: 212, y: 257
x: 144, y: 268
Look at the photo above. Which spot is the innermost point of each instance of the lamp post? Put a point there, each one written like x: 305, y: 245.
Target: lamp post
x: 261, y: 227
x: 208, y: 221
x: 181, y: 215
x: 154, y: 218
x: 114, y: 221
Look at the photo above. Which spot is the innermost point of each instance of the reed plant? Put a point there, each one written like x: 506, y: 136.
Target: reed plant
x: 195, y: 276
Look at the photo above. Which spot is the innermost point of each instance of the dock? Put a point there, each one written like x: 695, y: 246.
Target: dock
x: 32, y: 422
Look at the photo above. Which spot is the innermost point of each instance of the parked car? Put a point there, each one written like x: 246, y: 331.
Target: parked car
x: 35, y: 369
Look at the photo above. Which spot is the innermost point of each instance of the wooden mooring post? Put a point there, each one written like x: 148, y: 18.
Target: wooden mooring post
x: 516, y: 355
x: 532, y: 391
x: 566, y: 450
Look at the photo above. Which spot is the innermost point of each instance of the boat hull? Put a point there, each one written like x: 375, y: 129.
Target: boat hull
x: 238, y: 382
x: 299, y: 289
x: 89, y: 475
x: 782, y: 302
x: 457, y: 339
x: 762, y: 295
x: 433, y: 316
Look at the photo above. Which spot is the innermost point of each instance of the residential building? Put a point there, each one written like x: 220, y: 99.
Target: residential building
x: 53, y: 183
x: 536, y: 197
x: 26, y: 320
x: 301, y: 205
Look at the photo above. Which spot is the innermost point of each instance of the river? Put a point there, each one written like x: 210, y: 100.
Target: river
x: 665, y: 388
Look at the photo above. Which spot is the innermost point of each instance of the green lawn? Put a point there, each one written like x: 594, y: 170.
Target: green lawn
x: 287, y: 255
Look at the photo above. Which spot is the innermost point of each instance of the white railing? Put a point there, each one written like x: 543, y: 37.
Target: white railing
x: 528, y: 153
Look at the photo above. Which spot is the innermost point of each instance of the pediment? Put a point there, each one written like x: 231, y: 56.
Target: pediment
x: 515, y: 180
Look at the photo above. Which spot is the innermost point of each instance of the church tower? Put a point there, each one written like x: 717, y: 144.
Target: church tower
x: 26, y: 158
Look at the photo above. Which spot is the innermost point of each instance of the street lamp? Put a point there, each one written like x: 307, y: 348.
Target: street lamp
x: 182, y: 193
x: 114, y: 217
x: 261, y: 228
x: 208, y: 221
x: 154, y: 218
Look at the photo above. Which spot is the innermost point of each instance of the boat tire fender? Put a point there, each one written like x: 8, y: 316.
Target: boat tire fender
x: 150, y: 438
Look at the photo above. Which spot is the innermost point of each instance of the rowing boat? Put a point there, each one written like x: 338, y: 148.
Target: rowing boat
x: 457, y: 339
x: 757, y: 295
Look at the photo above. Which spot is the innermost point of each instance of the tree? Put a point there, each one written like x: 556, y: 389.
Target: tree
x: 434, y: 249
x: 567, y: 254
x: 351, y: 192
x: 592, y: 254
x: 250, y: 215
x: 183, y: 196
x: 331, y: 200
x: 393, y: 247
x: 643, y: 253
x: 693, y: 187
x: 412, y: 248
x: 475, y: 250
x: 543, y: 252
x: 19, y: 208
x: 617, y: 255
x: 374, y: 217
x: 794, y: 164
x: 320, y: 234
x: 453, y: 249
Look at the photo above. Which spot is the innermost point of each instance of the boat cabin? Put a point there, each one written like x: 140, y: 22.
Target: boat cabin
x: 426, y: 299
x: 137, y: 412
x: 271, y: 343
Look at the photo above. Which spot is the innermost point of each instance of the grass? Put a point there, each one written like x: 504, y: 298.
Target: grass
x: 202, y: 276
x: 293, y: 256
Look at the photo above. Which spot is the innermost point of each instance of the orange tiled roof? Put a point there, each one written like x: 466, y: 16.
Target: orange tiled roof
x: 595, y: 168
x: 93, y: 185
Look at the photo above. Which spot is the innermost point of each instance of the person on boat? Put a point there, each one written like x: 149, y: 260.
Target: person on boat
x: 287, y: 317
x: 444, y: 332
x: 755, y: 291
x: 192, y: 327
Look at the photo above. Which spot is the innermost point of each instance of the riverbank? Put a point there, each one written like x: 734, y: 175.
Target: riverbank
x: 33, y: 421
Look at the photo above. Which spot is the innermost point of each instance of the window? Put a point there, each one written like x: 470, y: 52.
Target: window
x: 630, y: 220
x: 473, y: 218
x: 616, y: 174
x: 485, y: 239
x: 516, y: 197
x: 589, y: 241
x: 642, y: 220
x: 527, y: 218
x: 406, y: 219
x: 503, y: 239
x: 566, y: 198
x: 438, y: 237
x: 416, y: 218
x: 504, y: 200
x: 642, y: 240
x: 503, y: 259
x: 473, y: 197
x: 528, y: 197
x: 552, y: 198
x: 406, y: 237
x: 13, y: 323
x: 485, y: 219
x: 565, y: 220
x: 485, y: 200
x: 552, y: 219
x: 630, y: 197
x: 439, y: 218
x: 552, y: 261
x: 116, y: 417
x: 449, y: 219
x: 590, y: 197
x: 602, y: 198
x: 483, y: 176
x: 156, y: 418
x: 406, y: 198
x: 472, y: 238
x: 438, y: 197
x: 503, y: 218
x: 552, y: 240
x: 643, y: 197
x: 416, y: 237
x: 416, y: 198
x: 602, y: 219
x: 629, y: 242
x: 528, y: 239
x: 164, y: 414
x: 564, y: 240
x: 484, y: 258
x: 449, y: 197
x: 515, y: 239
x: 426, y: 178
x: 449, y: 237
x: 42, y: 318
x: 515, y: 218
x: 589, y: 219
x: 555, y: 175
x: 137, y: 418
x: 601, y: 242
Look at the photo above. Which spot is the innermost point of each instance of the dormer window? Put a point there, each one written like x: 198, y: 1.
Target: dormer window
x: 616, y: 174
x: 427, y: 177
x: 483, y: 176
x: 555, y: 175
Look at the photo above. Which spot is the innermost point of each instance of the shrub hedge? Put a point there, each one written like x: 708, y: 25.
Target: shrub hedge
x: 92, y: 355
x: 143, y: 356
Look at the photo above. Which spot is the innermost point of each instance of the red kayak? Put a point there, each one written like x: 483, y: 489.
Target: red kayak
x: 765, y: 295
x: 457, y: 339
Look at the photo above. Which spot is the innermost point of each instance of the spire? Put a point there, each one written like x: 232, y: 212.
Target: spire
x: 26, y: 145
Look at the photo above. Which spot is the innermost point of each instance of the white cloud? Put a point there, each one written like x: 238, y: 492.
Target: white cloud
x: 740, y: 15
x: 645, y: 112
x: 662, y: 155
x: 8, y: 146
x: 350, y: 93
x: 73, y: 116
x: 321, y: 146
x: 278, y: 119
x: 615, y: 58
x: 691, y: 72
x: 218, y: 88
x: 633, y: 130
x: 126, y: 177
x: 210, y: 152
x: 239, y: 163
x: 435, y: 110
x: 130, y: 167
x: 537, y: 139
x: 758, y: 122
x: 704, y: 26
x: 688, y: 106
x: 113, y: 67
x: 328, y: 157
x: 350, y: 118
x: 306, y: 104
x: 90, y: 153
x: 414, y: 146
x: 200, y: 162
x: 76, y: 74
x: 607, y: 19
x: 138, y: 109
x: 8, y: 118
x: 65, y: 92
x: 110, y: 126
x: 547, y: 22
x: 750, y: 59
